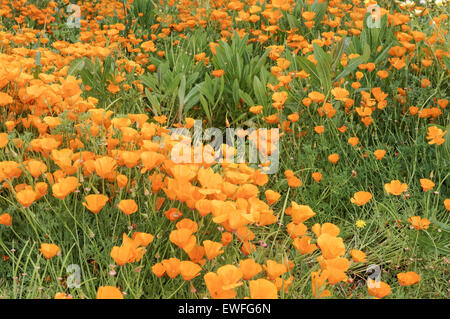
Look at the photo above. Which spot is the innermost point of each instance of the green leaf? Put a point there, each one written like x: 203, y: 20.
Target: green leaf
x: 383, y: 54
x: 353, y: 64
x: 260, y: 92
x: 153, y: 101
x: 246, y: 98
x: 205, y: 108
x: 76, y: 66
x: 320, y: 9
x: 235, y: 92
x: 338, y: 51
x: 293, y: 22
x: 309, y: 68
x: 447, y: 62
x: 323, y: 67
x: 182, y: 89
x: 191, y: 99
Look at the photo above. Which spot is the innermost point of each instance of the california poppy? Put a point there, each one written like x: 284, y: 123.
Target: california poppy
x: 249, y: 268
x: 212, y: 249
x: 49, y: 250
x: 109, y: 292
x: 361, y: 198
x: 358, y: 256
x: 95, y: 202
x: 408, y: 278
x: 189, y: 270
x: 330, y: 246
x: 5, y: 219
x: 263, y: 289
x: 395, y: 187
x: 128, y: 206
x: 418, y: 222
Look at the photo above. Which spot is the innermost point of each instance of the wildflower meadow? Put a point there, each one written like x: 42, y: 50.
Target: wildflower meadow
x: 212, y: 149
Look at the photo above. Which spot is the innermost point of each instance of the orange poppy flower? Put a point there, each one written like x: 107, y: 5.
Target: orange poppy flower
x: 435, y: 135
x: 248, y: 248
x: 294, y: 182
x: 109, y: 292
x: 395, y: 187
x: 318, y: 280
x: 299, y: 213
x: 26, y: 197
x: 183, y: 238
x: 330, y: 246
x: 40, y: 189
x: 319, y: 129
x: 172, y: 267
x: 447, y: 203
x: 65, y: 186
x: 5, y: 219
x: 409, y: 278
x: 218, y: 73
x: 294, y: 117
x: 426, y: 184
x: 379, y: 154
x: 358, y: 256
x: 262, y: 289
x: 95, y: 202
x: 274, y: 269
x: 296, y: 230
x: 316, y: 176
x: 142, y: 239
x: 105, y: 167
x: 173, y: 214
x: 49, y: 250
x: 62, y: 295
x: 378, y: 289
x: 36, y: 168
x: 303, y: 245
x: 419, y: 223
x: 333, y: 158
x: 3, y: 140
x: 214, y: 284
x: 316, y: 97
x: 272, y: 197
x: 361, y: 198
x: 128, y: 206
x: 227, y: 238
x: 123, y: 254
x: 189, y: 270
x: 212, y: 249
x: 122, y: 180
x: 256, y: 109
x: 340, y: 94
x: 158, y: 269
x: 326, y: 228
x: 249, y: 268
x: 353, y: 141
x: 230, y: 276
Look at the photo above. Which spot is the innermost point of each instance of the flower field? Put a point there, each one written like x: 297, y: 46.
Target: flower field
x: 102, y: 197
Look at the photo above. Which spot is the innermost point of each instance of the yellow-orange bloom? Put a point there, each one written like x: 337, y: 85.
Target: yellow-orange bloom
x: 418, y: 222
x: 128, y: 206
x: 49, y: 250
x: 361, y: 198
x: 109, y: 292
x: 95, y: 202
x: 408, y: 278
x: 5, y: 219
x: 395, y: 187
x: 426, y: 184
x: 358, y: 256
x: 263, y: 289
